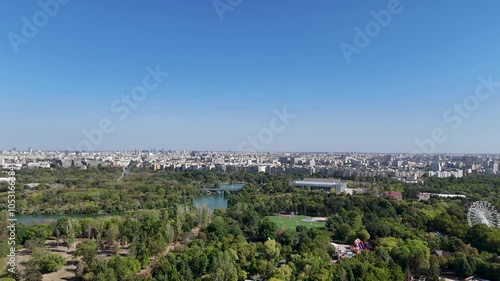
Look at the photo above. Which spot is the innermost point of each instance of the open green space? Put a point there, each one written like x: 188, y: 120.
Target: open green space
x: 293, y: 222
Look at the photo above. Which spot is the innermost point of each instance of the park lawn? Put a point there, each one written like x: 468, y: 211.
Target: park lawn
x: 293, y: 222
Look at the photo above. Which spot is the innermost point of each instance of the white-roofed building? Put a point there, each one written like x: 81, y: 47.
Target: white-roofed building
x: 322, y: 184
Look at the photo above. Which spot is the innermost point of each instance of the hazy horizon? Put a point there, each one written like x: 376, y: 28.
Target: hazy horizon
x: 158, y: 150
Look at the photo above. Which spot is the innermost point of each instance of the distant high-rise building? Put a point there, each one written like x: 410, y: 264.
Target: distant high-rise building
x: 30, y: 150
x: 436, y: 167
x: 470, y: 159
x: 495, y: 168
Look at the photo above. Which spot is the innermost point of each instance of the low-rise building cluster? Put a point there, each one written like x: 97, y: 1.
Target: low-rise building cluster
x: 409, y: 168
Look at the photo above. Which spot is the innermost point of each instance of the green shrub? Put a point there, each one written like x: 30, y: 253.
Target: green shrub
x: 51, y: 263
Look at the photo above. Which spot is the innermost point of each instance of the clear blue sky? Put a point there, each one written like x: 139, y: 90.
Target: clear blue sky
x: 226, y: 77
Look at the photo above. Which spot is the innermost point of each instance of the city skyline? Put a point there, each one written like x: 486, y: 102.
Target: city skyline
x: 409, y: 168
x: 369, y: 76
x: 166, y: 150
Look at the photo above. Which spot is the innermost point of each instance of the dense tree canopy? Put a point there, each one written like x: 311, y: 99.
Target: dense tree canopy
x: 153, y: 232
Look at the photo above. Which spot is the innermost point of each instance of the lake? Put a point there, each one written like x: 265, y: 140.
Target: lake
x: 216, y: 201
x: 212, y: 201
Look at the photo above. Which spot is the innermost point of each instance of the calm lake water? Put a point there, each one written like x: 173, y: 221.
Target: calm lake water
x: 216, y: 201
x: 212, y: 201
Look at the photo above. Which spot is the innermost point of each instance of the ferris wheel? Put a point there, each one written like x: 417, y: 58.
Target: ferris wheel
x: 482, y: 212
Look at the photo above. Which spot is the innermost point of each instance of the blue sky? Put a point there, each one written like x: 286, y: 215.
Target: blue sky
x: 227, y: 76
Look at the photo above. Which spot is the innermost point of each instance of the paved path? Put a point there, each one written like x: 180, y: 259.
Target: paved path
x: 125, y: 171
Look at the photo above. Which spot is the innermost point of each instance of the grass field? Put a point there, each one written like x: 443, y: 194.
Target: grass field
x: 293, y: 222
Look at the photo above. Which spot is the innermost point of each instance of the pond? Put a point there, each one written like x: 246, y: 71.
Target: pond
x: 216, y: 201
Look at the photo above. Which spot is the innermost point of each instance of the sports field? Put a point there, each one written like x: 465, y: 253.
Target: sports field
x: 293, y: 222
